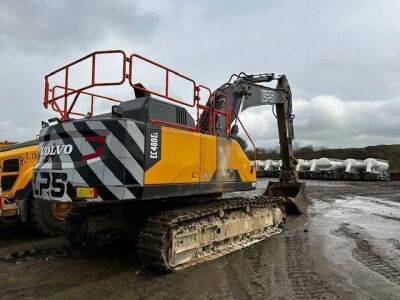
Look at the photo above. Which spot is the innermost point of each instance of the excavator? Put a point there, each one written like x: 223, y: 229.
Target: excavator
x: 157, y: 168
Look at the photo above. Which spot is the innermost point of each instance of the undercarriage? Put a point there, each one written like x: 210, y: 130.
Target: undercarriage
x: 172, y: 236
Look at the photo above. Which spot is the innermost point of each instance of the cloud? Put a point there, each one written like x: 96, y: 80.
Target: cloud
x: 348, y: 50
x: 12, y: 131
x: 55, y: 27
x: 332, y: 122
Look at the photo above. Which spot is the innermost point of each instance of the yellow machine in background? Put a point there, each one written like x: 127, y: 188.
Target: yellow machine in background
x: 16, y: 198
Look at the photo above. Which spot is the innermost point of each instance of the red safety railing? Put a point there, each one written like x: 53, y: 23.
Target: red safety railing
x: 165, y: 94
x: 65, y: 107
x: 92, y: 98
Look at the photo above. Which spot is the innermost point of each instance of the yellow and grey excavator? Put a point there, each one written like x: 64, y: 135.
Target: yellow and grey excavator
x: 150, y: 170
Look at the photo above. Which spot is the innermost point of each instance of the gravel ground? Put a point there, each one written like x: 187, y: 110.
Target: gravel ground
x: 346, y: 247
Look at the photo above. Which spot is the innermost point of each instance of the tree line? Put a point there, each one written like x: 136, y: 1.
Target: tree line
x: 263, y: 153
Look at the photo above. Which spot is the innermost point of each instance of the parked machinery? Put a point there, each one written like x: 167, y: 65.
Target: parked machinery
x: 272, y: 168
x: 259, y: 166
x: 16, y: 197
x: 302, y: 167
x: 335, y: 169
x: 375, y: 169
x: 353, y: 169
x: 328, y: 168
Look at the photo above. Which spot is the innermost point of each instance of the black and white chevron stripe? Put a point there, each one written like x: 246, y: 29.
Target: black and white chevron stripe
x: 117, y: 174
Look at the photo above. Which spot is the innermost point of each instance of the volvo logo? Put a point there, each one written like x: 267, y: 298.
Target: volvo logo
x: 56, y: 150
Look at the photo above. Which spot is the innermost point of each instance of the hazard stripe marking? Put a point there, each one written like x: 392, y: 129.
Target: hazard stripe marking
x: 119, y: 132
x: 115, y: 172
x: 84, y: 170
x: 135, y: 134
x: 114, y: 163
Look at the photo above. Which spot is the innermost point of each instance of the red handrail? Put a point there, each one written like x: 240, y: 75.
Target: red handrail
x: 66, y: 109
x: 92, y: 97
x: 167, y: 71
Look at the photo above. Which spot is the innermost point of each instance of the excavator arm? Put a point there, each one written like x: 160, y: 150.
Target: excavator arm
x: 245, y: 92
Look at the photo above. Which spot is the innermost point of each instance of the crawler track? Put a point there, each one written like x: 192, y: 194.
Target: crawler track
x: 155, y: 241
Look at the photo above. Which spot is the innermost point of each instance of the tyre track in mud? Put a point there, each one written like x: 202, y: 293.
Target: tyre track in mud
x: 395, y: 243
x: 40, y: 251
x: 237, y: 286
x: 258, y: 271
x: 306, y: 282
x: 253, y: 285
x: 364, y: 253
x: 17, y: 244
x: 257, y: 282
x: 387, y: 217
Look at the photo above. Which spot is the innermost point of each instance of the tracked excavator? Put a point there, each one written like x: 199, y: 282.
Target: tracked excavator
x: 151, y: 170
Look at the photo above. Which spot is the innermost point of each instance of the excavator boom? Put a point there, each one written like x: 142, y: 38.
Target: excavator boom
x: 245, y: 92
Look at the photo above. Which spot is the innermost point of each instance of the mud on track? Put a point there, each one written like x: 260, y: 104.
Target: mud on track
x: 347, y: 247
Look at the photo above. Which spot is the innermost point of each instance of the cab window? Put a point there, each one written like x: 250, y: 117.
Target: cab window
x: 11, y: 165
x: 8, y: 180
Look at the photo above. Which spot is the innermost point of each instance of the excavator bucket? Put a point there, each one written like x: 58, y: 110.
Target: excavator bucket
x: 294, y: 195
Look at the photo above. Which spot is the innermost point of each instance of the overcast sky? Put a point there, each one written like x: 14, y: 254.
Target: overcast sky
x: 342, y: 58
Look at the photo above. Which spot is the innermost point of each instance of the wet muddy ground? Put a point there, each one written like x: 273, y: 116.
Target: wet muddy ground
x: 346, y: 247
